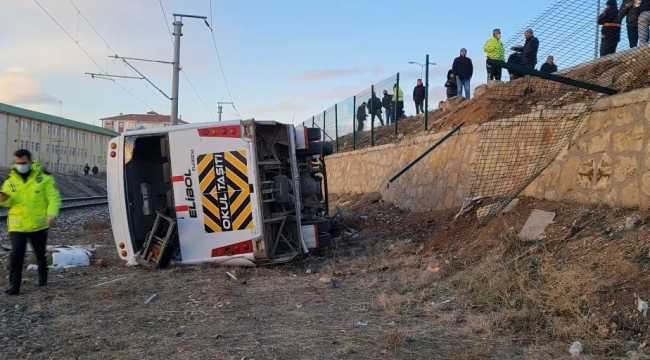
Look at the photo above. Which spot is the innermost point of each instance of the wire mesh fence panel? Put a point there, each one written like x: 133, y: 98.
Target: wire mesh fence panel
x: 329, y: 128
x: 345, y: 123
x: 530, y: 116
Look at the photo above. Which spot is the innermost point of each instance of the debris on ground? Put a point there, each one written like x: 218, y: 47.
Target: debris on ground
x: 68, y: 256
x: 150, y: 299
x: 536, y: 225
x: 231, y: 276
x: 576, y: 349
x: 642, y: 306
x: 109, y: 282
x: 631, y: 222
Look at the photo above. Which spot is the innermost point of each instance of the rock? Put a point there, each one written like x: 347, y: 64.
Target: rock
x: 536, y: 224
x: 363, y: 217
x: 637, y: 355
x: 576, y: 349
x: 486, y: 210
x: 308, y: 271
x: 510, y: 206
x: 631, y: 221
x: 325, y: 280
x: 481, y: 89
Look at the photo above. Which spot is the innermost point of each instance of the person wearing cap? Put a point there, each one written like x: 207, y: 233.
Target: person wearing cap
x: 374, y: 108
x: 463, y: 69
x: 419, y: 93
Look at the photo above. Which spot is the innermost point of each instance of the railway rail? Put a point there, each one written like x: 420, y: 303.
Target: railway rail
x: 73, y: 203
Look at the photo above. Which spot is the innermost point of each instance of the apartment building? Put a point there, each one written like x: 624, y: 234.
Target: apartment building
x: 125, y: 122
x: 61, y: 145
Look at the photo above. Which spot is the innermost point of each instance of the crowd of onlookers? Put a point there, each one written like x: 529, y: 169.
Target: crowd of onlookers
x: 635, y: 12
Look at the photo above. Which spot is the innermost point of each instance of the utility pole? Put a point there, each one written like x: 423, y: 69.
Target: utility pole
x: 58, y: 153
x: 426, y: 98
x: 221, y: 107
x: 178, y: 24
x: 60, y: 108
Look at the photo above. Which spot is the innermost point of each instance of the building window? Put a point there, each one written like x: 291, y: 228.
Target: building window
x: 71, y: 168
x: 131, y: 125
x: 94, y: 139
x: 47, y: 129
x: 36, y: 126
x: 22, y: 144
x: 65, y: 133
x: 34, y: 146
x: 65, y: 150
x: 72, y: 151
x: 56, y: 132
x: 108, y: 125
x: 55, y: 149
x: 165, y: 125
x: 47, y: 148
x: 47, y: 165
x: 25, y: 125
x: 73, y: 134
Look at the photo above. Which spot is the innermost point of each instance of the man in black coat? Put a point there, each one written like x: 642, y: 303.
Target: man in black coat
x: 418, y: 97
x: 611, y: 28
x: 463, y: 69
x: 529, y: 50
x: 374, y: 108
x: 361, y: 116
x: 387, y: 102
x: 548, y: 66
x: 516, y: 58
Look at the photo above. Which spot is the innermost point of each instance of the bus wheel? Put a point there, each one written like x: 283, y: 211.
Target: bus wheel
x: 314, y: 134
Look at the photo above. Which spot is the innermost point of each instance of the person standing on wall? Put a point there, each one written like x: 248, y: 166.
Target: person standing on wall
x: 529, y: 50
x: 450, y: 84
x: 34, y: 202
x: 630, y: 11
x: 386, y: 102
x: 398, y: 102
x: 418, y: 97
x: 361, y: 116
x: 463, y: 69
x: 495, y: 51
x: 549, y: 66
x: 611, y: 28
x: 86, y: 170
x: 374, y: 108
x: 644, y: 21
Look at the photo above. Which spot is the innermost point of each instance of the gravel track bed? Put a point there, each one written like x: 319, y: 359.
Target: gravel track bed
x: 69, y: 220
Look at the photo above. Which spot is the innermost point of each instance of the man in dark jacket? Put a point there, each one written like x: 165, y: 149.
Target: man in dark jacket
x: 86, y: 170
x: 418, y: 97
x: 463, y: 69
x: 631, y: 14
x: 374, y: 108
x: 516, y: 58
x: 529, y: 50
x: 451, y: 85
x: 548, y: 66
x: 386, y: 102
x: 95, y: 170
x: 644, y: 21
x: 361, y: 116
x: 611, y: 28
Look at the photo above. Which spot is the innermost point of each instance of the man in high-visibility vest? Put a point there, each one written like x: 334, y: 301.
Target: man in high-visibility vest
x: 398, y: 99
x: 494, y: 50
x: 34, y: 202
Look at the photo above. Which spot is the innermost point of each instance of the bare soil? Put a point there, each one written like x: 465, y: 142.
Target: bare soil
x: 72, y: 185
x: 428, y: 288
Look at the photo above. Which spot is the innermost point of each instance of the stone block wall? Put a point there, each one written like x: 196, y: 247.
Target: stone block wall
x: 608, y: 161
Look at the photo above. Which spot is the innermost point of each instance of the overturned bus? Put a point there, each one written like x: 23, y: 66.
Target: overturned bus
x: 237, y: 193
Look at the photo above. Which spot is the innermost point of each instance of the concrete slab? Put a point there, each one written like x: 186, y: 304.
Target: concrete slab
x: 536, y: 224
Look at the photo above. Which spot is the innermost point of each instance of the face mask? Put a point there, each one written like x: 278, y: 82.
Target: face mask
x: 498, y: 36
x: 23, y: 168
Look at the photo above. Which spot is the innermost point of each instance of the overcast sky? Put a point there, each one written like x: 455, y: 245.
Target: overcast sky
x: 283, y: 59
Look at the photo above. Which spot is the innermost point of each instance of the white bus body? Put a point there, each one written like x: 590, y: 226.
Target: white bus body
x: 242, y: 193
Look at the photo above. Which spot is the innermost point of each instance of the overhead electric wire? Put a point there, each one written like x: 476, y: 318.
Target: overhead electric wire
x: 88, y: 55
x: 216, y: 49
x: 113, y: 51
x: 171, y: 37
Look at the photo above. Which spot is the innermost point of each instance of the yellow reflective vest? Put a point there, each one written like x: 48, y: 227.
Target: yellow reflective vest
x: 32, y: 201
x: 494, y: 49
x: 398, y: 95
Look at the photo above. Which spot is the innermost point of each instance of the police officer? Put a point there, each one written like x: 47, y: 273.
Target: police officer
x: 33, y: 201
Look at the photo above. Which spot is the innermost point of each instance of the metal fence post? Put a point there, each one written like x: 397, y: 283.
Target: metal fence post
x: 396, y: 97
x: 354, y: 119
x: 372, y: 115
x: 336, y: 125
x: 313, y: 121
x: 324, y: 113
x: 426, y: 97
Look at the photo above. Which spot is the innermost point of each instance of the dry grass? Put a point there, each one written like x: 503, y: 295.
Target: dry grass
x: 96, y: 224
x: 461, y: 297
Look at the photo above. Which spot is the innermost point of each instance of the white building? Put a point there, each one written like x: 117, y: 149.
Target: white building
x: 124, y: 122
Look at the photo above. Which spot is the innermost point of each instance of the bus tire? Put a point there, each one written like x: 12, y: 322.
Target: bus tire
x: 324, y: 240
x: 328, y: 149
x: 315, y: 148
x: 314, y: 134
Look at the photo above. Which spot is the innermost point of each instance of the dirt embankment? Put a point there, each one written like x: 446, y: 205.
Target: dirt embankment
x: 72, y: 185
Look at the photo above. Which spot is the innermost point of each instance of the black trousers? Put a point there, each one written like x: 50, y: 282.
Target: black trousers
x: 494, y: 72
x: 608, y: 43
x: 359, y: 125
x: 419, y: 107
x: 389, y: 113
x: 17, y: 257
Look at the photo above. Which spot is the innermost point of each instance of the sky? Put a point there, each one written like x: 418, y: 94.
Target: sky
x: 283, y: 60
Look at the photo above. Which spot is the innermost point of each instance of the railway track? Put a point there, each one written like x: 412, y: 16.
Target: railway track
x: 73, y: 203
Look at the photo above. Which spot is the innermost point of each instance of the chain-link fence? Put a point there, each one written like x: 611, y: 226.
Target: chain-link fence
x: 532, y: 115
x: 359, y: 121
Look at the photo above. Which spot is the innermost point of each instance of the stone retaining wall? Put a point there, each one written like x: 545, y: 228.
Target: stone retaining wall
x: 608, y: 161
